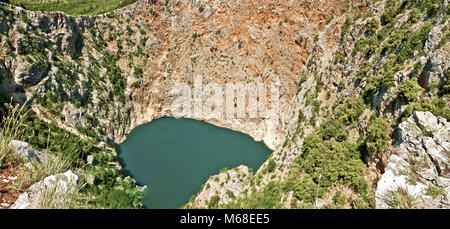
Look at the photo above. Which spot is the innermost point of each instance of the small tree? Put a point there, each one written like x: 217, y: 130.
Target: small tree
x: 408, y: 91
x: 378, y: 135
x: 372, y: 26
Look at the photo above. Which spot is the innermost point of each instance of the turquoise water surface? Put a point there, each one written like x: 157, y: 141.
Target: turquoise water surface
x: 174, y: 157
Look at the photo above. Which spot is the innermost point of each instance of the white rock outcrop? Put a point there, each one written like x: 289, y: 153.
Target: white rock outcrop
x: 227, y: 185
x: 421, y: 161
x: 59, y: 186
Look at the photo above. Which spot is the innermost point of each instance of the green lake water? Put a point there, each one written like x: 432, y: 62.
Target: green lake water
x: 174, y: 157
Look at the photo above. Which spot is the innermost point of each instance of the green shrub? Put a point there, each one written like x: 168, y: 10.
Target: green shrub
x: 21, y: 30
x: 302, y: 80
x: 372, y: 86
x: 339, y: 58
x: 394, y: 40
x: 328, y: 159
x: 138, y: 72
x: 129, y: 30
x: 25, y: 18
x: 437, y: 106
x: 307, y: 190
x: 378, y: 135
x: 349, y: 112
x: 331, y: 128
x: 213, y: 202
x: 230, y: 194
x: 414, y: 16
x: 367, y: 45
x: 407, y: 92
x: 339, y: 199
x: 271, y: 165
x: 346, y: 27
x: 112, y: 193
x: 359, y: 203
x: 301, y: 117
x: 372, y: 26
x: 390, y: 12
x: 8, y: 12
x: 330, y: 162
x: 414, y: 42
x: 436, y: 191
x: 329, y: 20
x: 444, y: 85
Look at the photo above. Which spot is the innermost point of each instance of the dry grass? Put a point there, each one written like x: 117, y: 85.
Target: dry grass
x: 10, y: 125
x: 31, y: 172
x: 36, y: 171
x: 401, y: 198
x: 54, y: 198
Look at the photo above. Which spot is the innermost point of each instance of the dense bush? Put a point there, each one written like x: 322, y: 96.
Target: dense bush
x: 328, y: 159
x: 47, y: 136
x: 213, y: 202
x: 390, y: 12
x: 350, y: 111
x: 372, y: 26
x: 444, y: 85
x: 437, y: 106
x: 394, y: 40
x: 367, y: 45
x: 414, y: 16
x: 331, y: 162
x: 111, y: 190
x: 414, y: 42
x: 378, y: 135
x: 271, y: 165
x: 307, y: 190
x: 407, y: 92
x: 331, y: 128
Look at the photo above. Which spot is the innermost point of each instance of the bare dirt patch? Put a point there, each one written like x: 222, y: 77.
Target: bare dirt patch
x: 8, y: 176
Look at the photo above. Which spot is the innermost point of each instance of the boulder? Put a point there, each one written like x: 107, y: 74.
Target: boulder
x: 29, y: 73
x: 60, y: 186
x: 433, y: 39
x: 434, y: 70
x: 24, y: 150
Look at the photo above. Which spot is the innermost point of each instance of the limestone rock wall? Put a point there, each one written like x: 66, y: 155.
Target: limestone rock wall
x: 420, y: 162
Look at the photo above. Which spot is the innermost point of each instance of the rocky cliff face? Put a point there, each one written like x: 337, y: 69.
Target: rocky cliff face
x: 420, y: 163
x: 104, y: 75
x: 225, y: 41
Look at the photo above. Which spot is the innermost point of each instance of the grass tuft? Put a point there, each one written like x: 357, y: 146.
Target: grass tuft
x: 401, y: 198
